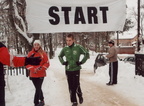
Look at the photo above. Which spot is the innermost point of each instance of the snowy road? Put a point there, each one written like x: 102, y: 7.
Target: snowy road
x: 56, y: 90
x: 94, y: 94
x: 97, y: 95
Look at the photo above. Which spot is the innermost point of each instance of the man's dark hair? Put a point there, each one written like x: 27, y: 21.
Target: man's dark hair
x: 111, y: 42
x: 70, y: 36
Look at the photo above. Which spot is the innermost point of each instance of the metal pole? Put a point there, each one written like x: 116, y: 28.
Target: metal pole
x: 138, y: 27
x: 117, y: 38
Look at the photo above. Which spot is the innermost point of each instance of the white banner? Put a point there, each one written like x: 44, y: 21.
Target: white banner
x: 50, y: 16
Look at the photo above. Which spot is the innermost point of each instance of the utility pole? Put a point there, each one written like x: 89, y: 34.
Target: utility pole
x: 138, y: 27
x: 117, y: 38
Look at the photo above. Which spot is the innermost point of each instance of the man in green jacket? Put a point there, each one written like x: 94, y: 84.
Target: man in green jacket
x: 72, y: 52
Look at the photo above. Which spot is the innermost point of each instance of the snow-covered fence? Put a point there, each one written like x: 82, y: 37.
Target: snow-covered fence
x: 16, y: 71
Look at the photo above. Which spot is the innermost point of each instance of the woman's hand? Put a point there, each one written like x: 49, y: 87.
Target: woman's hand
x: 37, y: 69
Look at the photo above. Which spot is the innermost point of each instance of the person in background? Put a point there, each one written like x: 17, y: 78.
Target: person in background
x: 37, y: 73
x: 7, y: 59
x: 113, y: 63
x: 72, y: 52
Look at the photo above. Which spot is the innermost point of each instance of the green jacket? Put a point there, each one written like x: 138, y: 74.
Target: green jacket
x: 72, y: 54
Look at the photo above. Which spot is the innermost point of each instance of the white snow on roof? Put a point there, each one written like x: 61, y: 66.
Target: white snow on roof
x: 126, y: 35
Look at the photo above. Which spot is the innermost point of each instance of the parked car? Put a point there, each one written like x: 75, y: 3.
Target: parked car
x: 129, y: 59
x: 100, y: 60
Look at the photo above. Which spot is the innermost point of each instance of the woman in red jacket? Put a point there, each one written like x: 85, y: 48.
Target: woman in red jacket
x: 7, y: 59
x: 37, y: 73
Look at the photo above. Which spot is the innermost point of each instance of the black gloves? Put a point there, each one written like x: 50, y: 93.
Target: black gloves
x: 78, y: 63
x: 65, y: 63
x: 32, y: 60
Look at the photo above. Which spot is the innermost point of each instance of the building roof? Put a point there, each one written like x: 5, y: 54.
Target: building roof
x: 125, y: 35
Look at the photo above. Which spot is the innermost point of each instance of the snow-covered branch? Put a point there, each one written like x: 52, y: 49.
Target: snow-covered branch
x: 24, y: 31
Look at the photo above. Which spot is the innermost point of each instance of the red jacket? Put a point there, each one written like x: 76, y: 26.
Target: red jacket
x: 7, y: 59
x: 39, y: 70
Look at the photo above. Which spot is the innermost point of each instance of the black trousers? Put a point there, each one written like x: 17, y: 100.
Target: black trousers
x: 38, y: 91
x: 2, y: 96
x: 113, y: 72
x: 73, y: 78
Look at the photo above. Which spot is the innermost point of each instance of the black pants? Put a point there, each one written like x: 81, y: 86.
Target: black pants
x: 113, y: 72
x: 2, y: 96
x: 73, y: 78
x: 38, y: 93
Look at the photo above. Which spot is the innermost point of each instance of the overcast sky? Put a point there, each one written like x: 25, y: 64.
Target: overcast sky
x: 132, y: 3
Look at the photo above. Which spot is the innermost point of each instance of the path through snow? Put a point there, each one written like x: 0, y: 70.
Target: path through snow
x: 56, y: 90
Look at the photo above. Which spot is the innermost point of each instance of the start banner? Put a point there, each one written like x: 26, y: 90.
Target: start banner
x: 51, y: 16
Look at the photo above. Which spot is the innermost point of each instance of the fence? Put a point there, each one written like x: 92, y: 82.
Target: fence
x: 16, y: 71
x: 139, y: 64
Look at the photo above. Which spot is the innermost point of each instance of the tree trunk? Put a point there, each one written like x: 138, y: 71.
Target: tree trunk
x: 11, y: 15
x: 36, y: 36
x: 50, y: 46
x: 64, y: 39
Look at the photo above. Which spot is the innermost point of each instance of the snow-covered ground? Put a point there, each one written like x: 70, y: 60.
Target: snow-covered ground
x: 128, y: 92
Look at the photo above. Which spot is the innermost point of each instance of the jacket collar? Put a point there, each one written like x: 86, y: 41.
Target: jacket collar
x: 72, y: 45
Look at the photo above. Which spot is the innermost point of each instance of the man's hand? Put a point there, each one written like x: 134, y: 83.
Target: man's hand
x: 105, y: 56
x: 78, y: 63
x: 65, y: 63
x: 32, y: 60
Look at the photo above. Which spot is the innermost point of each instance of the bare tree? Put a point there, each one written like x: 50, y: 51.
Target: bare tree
x: 16, y: 24
x: 134, y: 14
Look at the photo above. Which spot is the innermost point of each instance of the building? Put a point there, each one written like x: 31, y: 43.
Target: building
x: 126, y: 42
